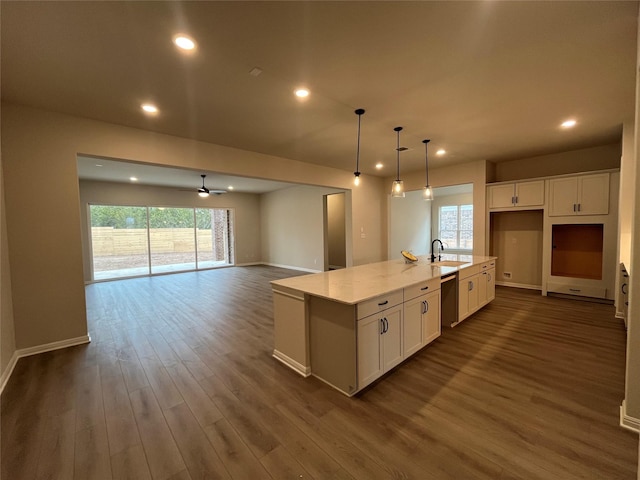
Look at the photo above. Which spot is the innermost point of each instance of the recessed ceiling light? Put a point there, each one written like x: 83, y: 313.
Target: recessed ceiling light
x: 149, y: 108
x: 230, y: 187
x: 442, y: 151
x: 98, y: 165
x: 302, y: 93
x: 379, y: 165
x: 255, y: 71
x: 568, y: 123
x: 184, y: 42
x: 133, y: 179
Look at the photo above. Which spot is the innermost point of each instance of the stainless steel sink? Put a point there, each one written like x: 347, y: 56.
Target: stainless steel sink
x: 448, y: 263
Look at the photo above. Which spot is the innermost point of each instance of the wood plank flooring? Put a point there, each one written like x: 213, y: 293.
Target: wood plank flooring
x: 179, y: 383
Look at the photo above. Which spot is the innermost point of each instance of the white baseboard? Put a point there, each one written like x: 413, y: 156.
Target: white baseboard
x: 630, y: 423
x: 292, y: 364
x: 519, y: 285
x: 4, y: 378
x: 47, y: 347
x: 289, y: 267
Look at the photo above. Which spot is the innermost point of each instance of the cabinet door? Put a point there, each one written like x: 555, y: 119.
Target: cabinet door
x: 431, y: 326
x: 530, y: 193
x: 413, y: 311
x: 483, y: 282
x: 369, y: 349
x: 392, y: 338
x: 473, y: 293
x: 563, y: 196
x: 501, y: 196
x: 491, y: 284
x: 463, y: 298
x: 593, y: 194
x: 468, y: 296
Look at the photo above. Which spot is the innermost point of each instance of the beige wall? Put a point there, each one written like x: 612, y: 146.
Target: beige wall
x: 585, y: 160
x: 7, y: 333
x: 516, y: 239
x: 472, y: 172
x: 39, y: 149
x: 292, y: 227
x: 409, y: 225
x: 246, y: 208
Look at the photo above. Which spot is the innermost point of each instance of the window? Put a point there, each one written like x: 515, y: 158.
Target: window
x: 136, y: 241
x: 455, y: 226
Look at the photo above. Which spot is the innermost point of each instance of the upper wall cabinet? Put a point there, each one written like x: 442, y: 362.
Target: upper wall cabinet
x: 521, y: 194
x: 581, y: 195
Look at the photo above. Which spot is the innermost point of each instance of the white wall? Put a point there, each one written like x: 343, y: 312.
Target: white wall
x: 246, y: 207
x: 409, y: 225
x: 474, y: 173
x: 292, y: 226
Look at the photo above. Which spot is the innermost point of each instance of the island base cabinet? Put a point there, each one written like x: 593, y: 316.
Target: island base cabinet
x: 421, y: 322
x: 332, y: 343
x: 379, y: 344
x: 431, y: 324
x: 468, y: 296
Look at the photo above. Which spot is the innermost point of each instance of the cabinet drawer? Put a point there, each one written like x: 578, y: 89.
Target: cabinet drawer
x: 487, y: 265
x: 467, y: 272
x: 580, y: 290
x: 421, y: 288
x: 388, y: 300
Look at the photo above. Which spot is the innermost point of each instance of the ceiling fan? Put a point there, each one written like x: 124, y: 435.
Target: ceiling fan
x: 205, y: 192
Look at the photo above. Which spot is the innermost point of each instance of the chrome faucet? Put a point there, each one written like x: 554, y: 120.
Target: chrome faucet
x: 433, y: 257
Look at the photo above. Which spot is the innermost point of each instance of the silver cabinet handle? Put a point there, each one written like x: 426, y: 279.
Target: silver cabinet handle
x: 470, y: 285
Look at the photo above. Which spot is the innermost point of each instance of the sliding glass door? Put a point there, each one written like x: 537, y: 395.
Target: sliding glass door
x: 136, y: 241
x: 119, y: 241
x: 172, y: 239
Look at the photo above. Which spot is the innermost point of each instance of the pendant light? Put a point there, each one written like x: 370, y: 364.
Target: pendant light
x: 397, y: 190
x: 356, y: 181
x: 427, y: 191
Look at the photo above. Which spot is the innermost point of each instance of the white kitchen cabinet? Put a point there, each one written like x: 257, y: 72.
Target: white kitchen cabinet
x: 520, y: 194
x: 468, y: 299
x: 580, y: 195
x: 379, y: 340
x: 487, y: 283
x: 486, y: 286
x: 421, y: 322
x: 468, y: 296
x: 431, y: 324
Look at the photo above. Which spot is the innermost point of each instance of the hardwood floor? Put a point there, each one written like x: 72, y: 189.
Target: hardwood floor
x: 179, y: 383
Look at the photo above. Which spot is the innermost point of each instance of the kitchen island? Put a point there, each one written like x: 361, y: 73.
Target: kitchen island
x: 350, y: 326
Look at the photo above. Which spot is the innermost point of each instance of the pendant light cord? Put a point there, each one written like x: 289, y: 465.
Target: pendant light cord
x: 397, y: 129
x: 426, y: 159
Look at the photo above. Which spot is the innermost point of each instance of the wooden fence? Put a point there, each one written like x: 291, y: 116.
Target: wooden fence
x: 107, y: 241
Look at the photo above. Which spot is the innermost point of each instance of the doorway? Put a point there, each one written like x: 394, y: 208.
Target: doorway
x: 335, y: 238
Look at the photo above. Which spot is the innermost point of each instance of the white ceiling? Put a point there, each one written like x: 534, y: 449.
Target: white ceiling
x: 483, y: 79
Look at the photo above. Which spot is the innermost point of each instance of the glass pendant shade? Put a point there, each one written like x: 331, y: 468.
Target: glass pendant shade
x: 427, y: 193
x: 397, y: 190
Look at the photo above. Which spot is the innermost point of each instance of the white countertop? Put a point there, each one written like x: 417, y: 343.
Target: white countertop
x: 356, y: 284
